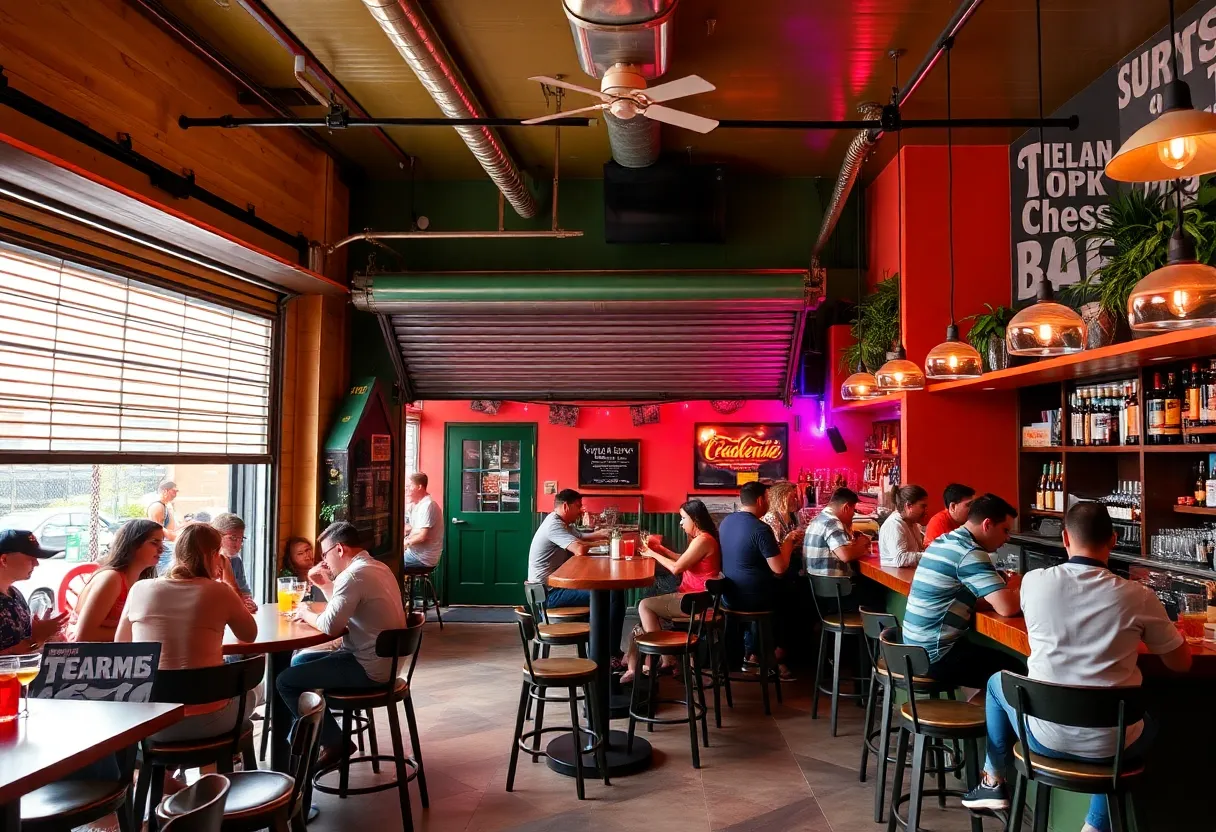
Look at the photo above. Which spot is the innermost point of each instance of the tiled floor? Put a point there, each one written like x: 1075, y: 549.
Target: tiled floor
x: 783, y: 773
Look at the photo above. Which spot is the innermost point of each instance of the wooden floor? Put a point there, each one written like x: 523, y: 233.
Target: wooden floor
x: 783, y: 773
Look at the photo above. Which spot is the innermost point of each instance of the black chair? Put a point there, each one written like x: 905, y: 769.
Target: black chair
x: 549, y: 631
x: 421, y: 575
x: 829, y: 593
x: 713, y: 647
x: 394, y: 645
x: 684, y: 646
x: 762, y: 621
x: 572, y: 674
x: 63, y: 806
x: 198, y: 686
x: 204, y: 802
x: 268, y: 799
x: 929, y: 724
x: 1081, y: 707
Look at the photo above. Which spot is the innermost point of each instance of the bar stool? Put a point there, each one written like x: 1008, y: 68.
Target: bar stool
x: 1114, y: 708
x: 422, y: 574
x: 682, y: 645
x: 713, y: 647
x: 572, y: 674
x: 840, y: 623
x: 928, y: 723
x: 762, y: 620
x: 394, y: 645
x: 560, y: 626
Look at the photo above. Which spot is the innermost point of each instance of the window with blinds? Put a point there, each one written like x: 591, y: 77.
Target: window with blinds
x: 93, y: 363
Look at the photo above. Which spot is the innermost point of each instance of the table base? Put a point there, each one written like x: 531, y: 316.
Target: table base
x: 618, y: 704
x: 620, y: 762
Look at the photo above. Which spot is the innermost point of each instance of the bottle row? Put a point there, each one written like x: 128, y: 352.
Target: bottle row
x: 1124, y: 503
x: 1105, y: 414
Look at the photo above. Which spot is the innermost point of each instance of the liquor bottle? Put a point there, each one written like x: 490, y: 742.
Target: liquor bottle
x: 1201, y: 488
x: 1100, y: 418
x: 1131, y: 410
x: 1209, y: 393
x: 1154, y: 404
x: 1074, y: 418
x: 1087, y: 424
x: 1058, y: 496
x: 1172, y: 429
x: 1193, y: 395
x: 1040, y: 498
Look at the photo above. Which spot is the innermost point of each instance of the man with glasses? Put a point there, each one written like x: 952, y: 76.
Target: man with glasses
x: 363, y: 601
x: 232, y: 531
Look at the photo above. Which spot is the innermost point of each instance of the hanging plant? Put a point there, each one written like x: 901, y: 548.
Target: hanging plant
x: 987, y: 335
x: 875, y: 328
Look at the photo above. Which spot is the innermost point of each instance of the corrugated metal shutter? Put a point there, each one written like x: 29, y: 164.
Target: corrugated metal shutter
x: 98, y: 364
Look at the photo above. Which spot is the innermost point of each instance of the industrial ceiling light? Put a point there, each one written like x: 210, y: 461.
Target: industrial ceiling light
x: 861, y: 385
x: 899, y: 374
x: 1181, y: 142
x: 1179, y: 295
x: 953, y: 358
x: 1044, y: 328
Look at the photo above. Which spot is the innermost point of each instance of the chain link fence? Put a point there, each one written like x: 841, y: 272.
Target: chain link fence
x: 118, y: 490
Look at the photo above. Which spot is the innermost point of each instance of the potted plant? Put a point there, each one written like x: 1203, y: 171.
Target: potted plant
x: 987, y: 335
x: 875, y: 327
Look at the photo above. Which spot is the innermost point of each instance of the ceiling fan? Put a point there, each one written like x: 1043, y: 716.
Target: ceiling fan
x: 623, y: 93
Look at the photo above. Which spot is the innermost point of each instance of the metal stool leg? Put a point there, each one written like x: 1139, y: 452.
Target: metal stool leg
x: 1042, y: 808
x: 538, y: 723
x: 344, y: 771
x: 601, y: 735
x: 416, y: 742
x: 435, y: 597
x: 823, y: 652
x: 696, y: 672
x: 972, y: 766
x: 838, y: 643
x: 403, y: 793
x: 652, y: 692
x: 714, y: 680
x: 1017, y: 805
x: 578, y: 745
x: 919, y: 751
x: 867, y: 725
x: 762, y: 655
x: 901, y: 755
x: 884, y: 741
x: 524, y: 698
x: 690, y: 707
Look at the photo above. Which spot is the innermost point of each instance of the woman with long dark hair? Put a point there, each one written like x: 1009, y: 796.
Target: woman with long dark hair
x: 132, y: 557
x: 699, y: 562
x: 298, y: 558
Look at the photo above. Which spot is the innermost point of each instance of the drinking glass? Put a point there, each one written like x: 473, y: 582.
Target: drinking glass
x: 643, y: 537
x: 286, y: 595
x: 10, y: 688
x: 28, y: 665
x: 298, y: 590
x: 1192, y: 615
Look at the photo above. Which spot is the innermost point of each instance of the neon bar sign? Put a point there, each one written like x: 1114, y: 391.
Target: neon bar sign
x: 729, y: 454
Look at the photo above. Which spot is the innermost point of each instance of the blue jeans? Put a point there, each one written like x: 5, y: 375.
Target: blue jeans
x: 1002, y: 717
x: 322, y: 670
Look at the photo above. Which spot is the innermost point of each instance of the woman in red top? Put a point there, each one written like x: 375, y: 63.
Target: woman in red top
x: 701, y: 561
x: 133, y: 556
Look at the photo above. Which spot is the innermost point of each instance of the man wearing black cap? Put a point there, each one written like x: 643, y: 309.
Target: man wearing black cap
x: 20, y: 632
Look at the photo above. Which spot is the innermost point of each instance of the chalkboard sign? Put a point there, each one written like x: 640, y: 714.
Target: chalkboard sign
x: 609, y: 463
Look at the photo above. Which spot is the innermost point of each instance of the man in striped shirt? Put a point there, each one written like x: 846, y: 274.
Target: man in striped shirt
x: 955, y: 572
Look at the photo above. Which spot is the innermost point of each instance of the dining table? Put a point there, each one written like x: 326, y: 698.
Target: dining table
x: 601, y: 575
x: 61, y: 736
x: 279, y: 636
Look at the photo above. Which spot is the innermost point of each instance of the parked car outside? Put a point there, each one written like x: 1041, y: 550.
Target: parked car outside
x: 52, y: 526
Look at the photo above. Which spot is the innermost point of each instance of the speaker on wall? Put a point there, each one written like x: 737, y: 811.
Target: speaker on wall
x: 837, y: 440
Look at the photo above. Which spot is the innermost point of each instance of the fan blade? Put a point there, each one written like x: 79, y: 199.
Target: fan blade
x: 566, y: 85
x: 563, y: 114
x: 680, y: 118
x: 689, y: 85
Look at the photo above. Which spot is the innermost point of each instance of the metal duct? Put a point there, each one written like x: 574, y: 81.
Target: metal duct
x: 415, y: 38
x: 854, y: 157
x: 633, y: 32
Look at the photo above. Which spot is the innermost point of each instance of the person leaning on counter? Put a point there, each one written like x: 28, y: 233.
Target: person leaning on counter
x: 901, y: 538
x: 957, y: 498
x: 955, y: 572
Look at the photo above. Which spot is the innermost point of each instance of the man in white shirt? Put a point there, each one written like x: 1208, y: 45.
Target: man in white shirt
x: 424, y: 531
x: 901, y: 537
x: 1085, y: 626
x: 364, y: 601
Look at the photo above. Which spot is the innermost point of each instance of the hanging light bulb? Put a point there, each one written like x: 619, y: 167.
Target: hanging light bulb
x: 1045, y: 327
x: 899, y: 374
x: 1179, y: 295
x: 860, y: 386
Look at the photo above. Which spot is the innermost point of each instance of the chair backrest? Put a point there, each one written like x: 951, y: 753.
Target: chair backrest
x: 695, y: 605
x: 1080, y: 707
x: 400, y: 644
x: 873, y: 622
x: 904, y: 662
x: 535, y: 601
x: 527, y: 634
x: 829, y: 592
x: 204, y: 685
x: 72, y: 584
x: 204, y: 804
x: 304, y: 737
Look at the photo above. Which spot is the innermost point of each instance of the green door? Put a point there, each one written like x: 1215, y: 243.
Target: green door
x: 491, y: 503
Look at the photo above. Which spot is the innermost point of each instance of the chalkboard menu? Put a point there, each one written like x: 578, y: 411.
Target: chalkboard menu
x: 609, y: 463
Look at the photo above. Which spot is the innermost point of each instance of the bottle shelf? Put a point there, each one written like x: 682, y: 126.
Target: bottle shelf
x: 1205, y: 510
x: 1204, y: 448
x: 1103, y: 449
x: 1202, y: 573
x: 1039, y: 512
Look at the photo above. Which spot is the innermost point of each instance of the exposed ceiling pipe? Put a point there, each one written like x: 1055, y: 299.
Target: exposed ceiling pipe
x: 416, y: 39
x: 865, y: 141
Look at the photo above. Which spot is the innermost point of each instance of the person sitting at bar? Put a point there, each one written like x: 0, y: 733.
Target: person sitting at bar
x: 1085, y: 626
x: 364, y: 601
x: 957, y: 499
x: 784, y: 501
x: 21, y: 631
x: 424, y: 531
x: 782, y: 517
x: 954, y: 573
x: 901, y: 538
x: 699, y: 562
x: 133, y: 556
x: 554, y: 542
x: 232, y: 529
x: 831, y: 544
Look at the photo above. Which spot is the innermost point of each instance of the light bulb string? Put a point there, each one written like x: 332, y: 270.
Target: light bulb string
x: 950, y: 178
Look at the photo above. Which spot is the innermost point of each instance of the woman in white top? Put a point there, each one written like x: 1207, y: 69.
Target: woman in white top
x: 187, y: 610
x: 901, y: 538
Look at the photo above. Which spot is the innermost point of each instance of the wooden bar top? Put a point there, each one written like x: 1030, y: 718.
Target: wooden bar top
x: 602, y: 572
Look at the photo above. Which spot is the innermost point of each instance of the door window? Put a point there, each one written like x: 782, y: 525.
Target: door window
x: 489, y: 478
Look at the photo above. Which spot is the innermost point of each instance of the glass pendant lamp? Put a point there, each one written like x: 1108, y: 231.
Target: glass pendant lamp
x: 1045, y: 328
x: 861, y: 385
x: 953, y: 358
x: 1179, y: 295
x: 1181, y: 142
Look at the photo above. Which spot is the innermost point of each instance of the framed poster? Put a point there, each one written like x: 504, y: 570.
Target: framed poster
x: 609, y: 463
x: 728, y: 454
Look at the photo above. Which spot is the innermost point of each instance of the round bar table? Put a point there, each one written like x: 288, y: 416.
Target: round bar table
x: 278, y: 637
x: 602, y: 576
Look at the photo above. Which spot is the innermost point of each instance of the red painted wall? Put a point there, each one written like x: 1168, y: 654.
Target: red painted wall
x: 667, y: 447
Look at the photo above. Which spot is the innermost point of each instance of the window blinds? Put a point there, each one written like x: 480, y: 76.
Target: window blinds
x: 93, y: 363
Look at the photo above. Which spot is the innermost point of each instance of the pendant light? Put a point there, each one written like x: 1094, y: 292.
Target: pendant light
x: 1181, y: 142
x: 899, y: 374
x: 953, y: 358
x: 1044, y: 328
x: 1179, y: 295
x: 861, y: 385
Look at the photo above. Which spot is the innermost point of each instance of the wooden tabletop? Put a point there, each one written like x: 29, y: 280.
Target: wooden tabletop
x: 599, y: 572
x: 276, y: 633
x: 61, y: 736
